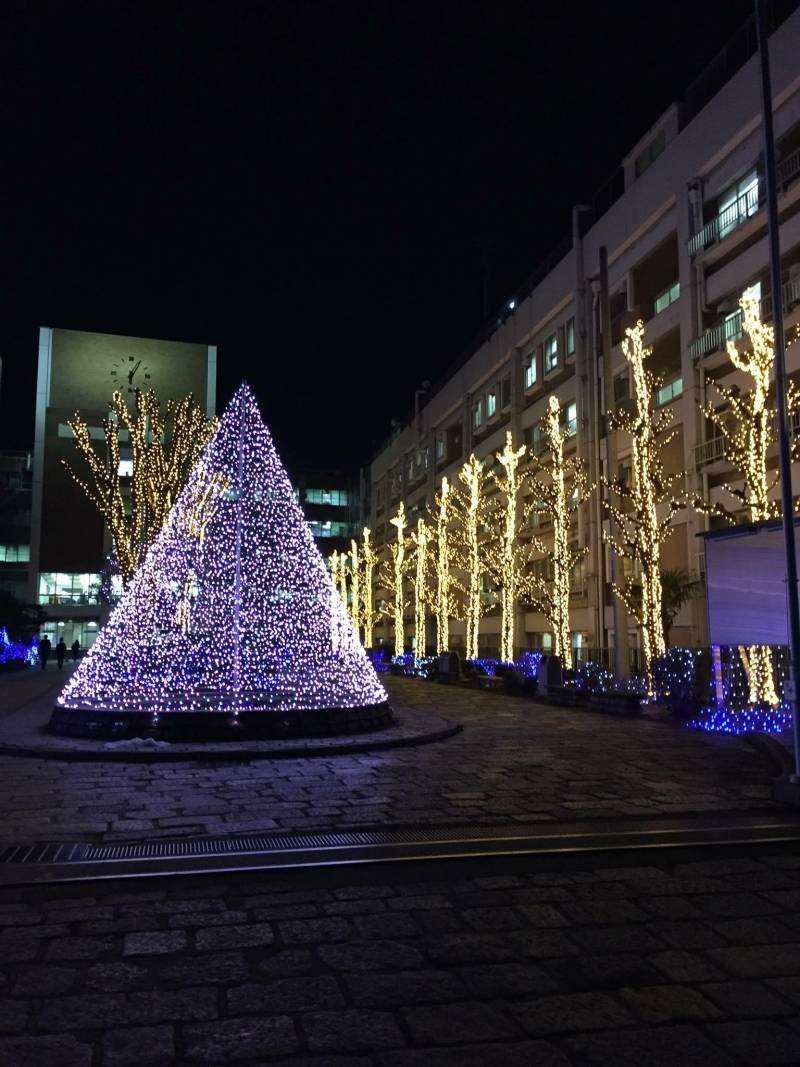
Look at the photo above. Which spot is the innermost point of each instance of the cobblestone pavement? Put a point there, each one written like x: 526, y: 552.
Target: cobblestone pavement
x: 515, y: 761
x: 658, y: 964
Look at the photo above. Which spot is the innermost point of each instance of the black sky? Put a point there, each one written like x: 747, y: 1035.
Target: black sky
x: 309, y: 185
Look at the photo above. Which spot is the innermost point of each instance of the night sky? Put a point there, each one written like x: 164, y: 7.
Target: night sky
x: 314, y: 187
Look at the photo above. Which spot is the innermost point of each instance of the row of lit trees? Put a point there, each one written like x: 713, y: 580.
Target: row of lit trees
x: 479, y: 529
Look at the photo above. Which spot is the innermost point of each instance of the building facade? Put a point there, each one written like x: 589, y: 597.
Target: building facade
x: 684, y: 238
x: 16, y: 481
x: 78, y: 372
x: 331, y: 504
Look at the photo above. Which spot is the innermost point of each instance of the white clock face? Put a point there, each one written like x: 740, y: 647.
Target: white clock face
x: 129, y: 373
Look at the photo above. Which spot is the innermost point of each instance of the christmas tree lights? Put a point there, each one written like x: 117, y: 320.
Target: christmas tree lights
x: 559, y: 487
x: 232, y: 609
x: 647, y: 522
x: 506, y: 564
x: 370, y: 558
x: 393, y: 576
x: 420, y: 539
x: 471, y: 508
x: 355, y: 587
x: 447, y: 583
x: 136, y: 509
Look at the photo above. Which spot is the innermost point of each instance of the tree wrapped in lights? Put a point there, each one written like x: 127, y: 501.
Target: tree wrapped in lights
x: 471, y: 511
x: 509, y: 561
x: 233, y: 608
x: 355, y: 587
x: 392, y: 578
x: 447, y: 585
x: 369, y: 558
x: 746, y: 422
x: 421, y: 540
x: 559, y: 487
x: 165, y: 447
x: 650, y: 494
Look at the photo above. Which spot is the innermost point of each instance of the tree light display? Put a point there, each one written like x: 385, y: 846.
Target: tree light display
x: 420, y: 539
x: 506, y: 564
x: 393, y: 577
x: 355, y: 587
x: 746, y: 423
x: 471, y: 512
x: 641, y: 531
x: 136, y: 507
x: 554, y: 497
x: 234, y: 611
x: 370, y: 558
x: 447, y: 584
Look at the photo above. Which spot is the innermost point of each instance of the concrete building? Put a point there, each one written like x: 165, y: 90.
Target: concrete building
x: 684, y: 226
x: 331, y: 504
x: 79, y: 371
x: 16, y: 481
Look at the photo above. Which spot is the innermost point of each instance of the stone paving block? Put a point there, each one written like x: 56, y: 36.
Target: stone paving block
x: 671, y: 907
x: 758, y: 930
x: 14, y: 1016
x: 736, y: 905
x: 288, y: 962
x: 670, y: 1003
x: 507, y: 1054
x: 435, y: 922
x: 497, y: 918
x: 79, y: 948
x: 247, y: 935
x: 496, y: 948
x: 239, y: 1039
x: 586, y: 973
x: 758, y: 961
x: 758, y: 1041
x: 18, y: 946
x: 364, y: 892
x: 61, y: 1051
x: 662, y: 1046
x: 601, y: 939
x: 788, y: 987
x: 105, y: 1011
x: 747, y: 1000
x: 139, y: 1046
x: 456, y: 1023
x: 218, y: 967
x: 687, y: 935
x: 364, y: 906
x: 542, y: 915
x: 404, y: 987
x: 508, y: 981
x: 43, y: 980
x: 681, y: 966
x: 316, y: 993
x: 370, y: 956
x: 154, y: 943
x: 187, y: 920
x: 315, y: 931
x: 115, y: 976
x: 571, y: 1011
x: 351, y: 1031
x: 284, y: 911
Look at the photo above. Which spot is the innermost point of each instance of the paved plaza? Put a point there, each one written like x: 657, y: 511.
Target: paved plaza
x: 516, y: 760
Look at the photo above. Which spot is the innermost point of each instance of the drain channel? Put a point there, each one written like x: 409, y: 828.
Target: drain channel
x: 69, y: 861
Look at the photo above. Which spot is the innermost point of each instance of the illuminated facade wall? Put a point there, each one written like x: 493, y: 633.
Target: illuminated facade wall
x: 79, y: 371
x: 685, y: 236
x: 331, y: 503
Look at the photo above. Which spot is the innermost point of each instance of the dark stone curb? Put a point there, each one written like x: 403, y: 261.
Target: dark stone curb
x: 413, y: 728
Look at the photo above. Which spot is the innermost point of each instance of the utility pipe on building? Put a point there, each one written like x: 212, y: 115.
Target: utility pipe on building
x: 620, y: 612
x: 784, y: 449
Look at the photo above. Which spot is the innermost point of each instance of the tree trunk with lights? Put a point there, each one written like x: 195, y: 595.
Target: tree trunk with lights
x: 369, y: 557
x: 421, y: 540
x: 508, y: 568
x: 470, y: 508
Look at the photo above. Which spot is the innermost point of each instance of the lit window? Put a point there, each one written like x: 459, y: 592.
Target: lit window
x: 334, y: 497
x: 547, y: 642
x: 669, y: 392
x: 669, y: 296
x: 491, y: 404
x: 329, y: 529
x: 57, y: 588
x: 477, y: 414
x: 551, y: 353
x: 15, y: 553
x: 569, y: 337
x: 571, y: 419
x: 439, y: 445
x: 530, y: 371
x: 737, y: 204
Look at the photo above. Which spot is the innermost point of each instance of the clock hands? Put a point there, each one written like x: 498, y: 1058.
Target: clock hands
x: 132, y: 372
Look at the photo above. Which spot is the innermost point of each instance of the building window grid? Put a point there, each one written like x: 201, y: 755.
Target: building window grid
x: 669, y: 296
x: 551, y: 353
x: 477, y: 414
x: 15, y: 553
x: 491, y: 404
x: 671, y: 391
x: 335, y: 497
x: 569, y: 337
x: 531, y: 371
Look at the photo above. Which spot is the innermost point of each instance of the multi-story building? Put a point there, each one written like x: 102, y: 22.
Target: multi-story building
x: 16, y: 480
x: 331, y: 504
x: 79, y: 371
x: 685, y: 235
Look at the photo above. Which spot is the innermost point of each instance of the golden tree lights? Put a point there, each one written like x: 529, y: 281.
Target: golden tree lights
x: 396, y: 580
x: 507, y: 563
x: 443, y: 606
x: 746, y: 422
x: 471, y: 511
x: 420, y: 539
x: 136, y: 507
x: 355, y: 587
x: 641, y: 531
x: 554, y: 498
x: 370, y: 558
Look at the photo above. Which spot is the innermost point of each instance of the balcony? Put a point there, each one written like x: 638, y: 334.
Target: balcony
x: 709, y: 452
x: 742, y: 209
x: 731, y: 329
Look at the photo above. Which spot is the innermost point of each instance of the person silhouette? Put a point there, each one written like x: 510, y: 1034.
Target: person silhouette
x: 44, y: 651
x: 76, y: 647
x: 61, y: 651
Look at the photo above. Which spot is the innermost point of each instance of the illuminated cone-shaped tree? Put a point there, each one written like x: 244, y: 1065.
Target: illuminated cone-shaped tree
x: 559, y: 485
x: 164, y: 448
x: 646, y: 523
x: 232, y: 609
x: 746, y: 422
x: 471, y: 510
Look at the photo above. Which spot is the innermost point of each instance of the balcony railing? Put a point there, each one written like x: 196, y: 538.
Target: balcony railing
x: 743, y: 208
x: 732, y: 329
x: 709, y: 451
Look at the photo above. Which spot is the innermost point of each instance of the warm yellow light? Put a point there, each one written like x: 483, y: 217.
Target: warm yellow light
x: 442, y: 569
x: 398, y: 559
x: 420, y: 539
x: 509, y: 483
x: 472, y: 509
x: 370, y: 558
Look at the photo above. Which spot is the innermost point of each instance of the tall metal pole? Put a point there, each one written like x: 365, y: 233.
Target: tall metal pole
x: 620, y: 612
x: 784, y: 448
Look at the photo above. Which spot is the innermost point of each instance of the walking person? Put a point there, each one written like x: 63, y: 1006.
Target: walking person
x: 76, y: 647
x: 61, y: 651
x: 44, y: 651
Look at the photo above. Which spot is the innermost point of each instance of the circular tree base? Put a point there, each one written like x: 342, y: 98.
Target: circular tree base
x: 107, y: 725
